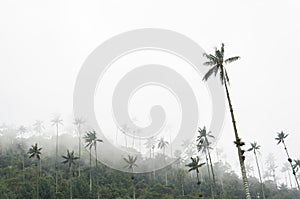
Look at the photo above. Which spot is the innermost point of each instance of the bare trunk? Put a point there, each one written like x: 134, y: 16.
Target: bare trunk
x: 237, y: 140
x: 56, y: 154
x: 214, y: 194
x: 37, y: 179
x: 261, y: 182
x: 79, y: 148
x: 90, y: 169
x: 290, y: 161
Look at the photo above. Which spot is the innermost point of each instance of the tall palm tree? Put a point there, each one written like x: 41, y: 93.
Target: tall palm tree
x: 194, y: 166
x: 56, y: 122
x: 255, y: 147
x: 280, y: 138
x: 150, y: 144
x: 22, y: 130
x: 35, y: 152
x: 217, y: 62
x: 131, y: 164
x: 286, y: 169
x: 70, y: 160
x: 162, y: 144
x: 203, y: 145
x: 91, y: 139
x: 38, y: 127
x: 78, y: 122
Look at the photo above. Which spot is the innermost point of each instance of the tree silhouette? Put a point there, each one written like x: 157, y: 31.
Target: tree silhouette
x: 217, y: 63
x: 70, y: 160
x: 131, y: 164
x: 78, y: 122
x: 280, y: 139
x: 194, y: 166
x: 255, y: 147
x: 35, y: 152
x: 56, y: 122
x: 92, y: 140
x: 204, y: 145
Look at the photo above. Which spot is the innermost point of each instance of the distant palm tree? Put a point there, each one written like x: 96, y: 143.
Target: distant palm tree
x: 22, y: 130
x: 131, y: 164
x: 91, y: 140
x: 38, y: 127
x: 217, y: 62
x: 280, y: 138
x: 286, y: 169
x: 150, y: 144
x: 70, y: 160
x: 162, y: 144
x: 194, y: 166
x: 204, y: 145
x: 78, y: 122
x: 255, y: 147
x: 35, y: 152
x: 56, y: 122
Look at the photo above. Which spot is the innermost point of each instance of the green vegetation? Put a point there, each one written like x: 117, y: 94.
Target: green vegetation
x: 109, y: 183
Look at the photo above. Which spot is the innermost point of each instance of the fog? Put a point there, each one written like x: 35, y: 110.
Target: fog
x: 44, y: 44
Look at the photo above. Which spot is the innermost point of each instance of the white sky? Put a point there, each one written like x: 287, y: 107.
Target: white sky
x: 43, y: 44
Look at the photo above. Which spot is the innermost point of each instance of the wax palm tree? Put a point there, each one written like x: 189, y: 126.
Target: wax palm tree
x: 280, y: 139
x: 286, y: 169
x: 255, y: 147
x: 162, y: 144
x: 35, y: 152
x: 38, y: 127
x: 194, y: 166
x: 150, y: 144
x: 56, y: 122
x: 70, y: 160
x: 92, y: 140
x: 217, y: 62
x: 78, y: 122
x: 22, y: 130
x: 204, y: 145
x: 131, y: 164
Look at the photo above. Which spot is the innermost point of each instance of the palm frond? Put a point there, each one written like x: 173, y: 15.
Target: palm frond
x: 210, y: 72
x: 232, y: 59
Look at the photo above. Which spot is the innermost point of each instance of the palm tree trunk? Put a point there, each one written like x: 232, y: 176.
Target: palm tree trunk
x: 290, y: 161
x: 290, y: 178
x: 97, y: 183
x: 79, y: 149
x: 214, y: 195
x: 90, y: 169
x: 70, y: 173
x: 56, y: 154
x: 37, y: 180
x: 261, y: 182
x: 237, y: 139
x: 208, y: 171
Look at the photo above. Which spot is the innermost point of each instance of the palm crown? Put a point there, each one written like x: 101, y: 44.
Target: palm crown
x: 162, y: 143
x: 91, y: 139
x: 35, y: 151
x: 130, y: 162
x: 217, y: 62
x: 195, y: 164
x: 69, y: 158
x: 57, y: 121
x: 254, y: 147
x: 280, y: 137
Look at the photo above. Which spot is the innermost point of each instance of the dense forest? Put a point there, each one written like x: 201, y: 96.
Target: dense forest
x: 28, y: 169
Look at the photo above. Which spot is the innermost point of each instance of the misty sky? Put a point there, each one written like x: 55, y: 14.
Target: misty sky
x: 43, y: 45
